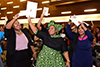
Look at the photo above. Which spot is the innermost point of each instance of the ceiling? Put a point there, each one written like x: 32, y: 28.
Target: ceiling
x: 55, y: 9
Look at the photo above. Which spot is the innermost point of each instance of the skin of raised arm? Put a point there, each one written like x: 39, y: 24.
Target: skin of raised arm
x: 9, y: 25
x: 39, y: 22
x: 34, y: 29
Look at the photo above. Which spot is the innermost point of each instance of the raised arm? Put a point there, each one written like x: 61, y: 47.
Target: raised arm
x: 88, y: 33
x: 39, y: 22
x: 38, y: 33
x: 69, y: 32
x: 34, y: 29
x: 9, y: 25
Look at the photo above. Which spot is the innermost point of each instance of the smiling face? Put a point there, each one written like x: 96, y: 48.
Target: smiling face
x: 16, y: 25
x: 63, y: 25
x: 81, y: 31
x: 97, y: 30
x: 52, y: 30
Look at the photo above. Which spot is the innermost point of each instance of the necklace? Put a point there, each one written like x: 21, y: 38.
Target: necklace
x: 18, y: 32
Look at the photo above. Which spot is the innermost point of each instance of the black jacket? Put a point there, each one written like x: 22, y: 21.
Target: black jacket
x: 11, y: 40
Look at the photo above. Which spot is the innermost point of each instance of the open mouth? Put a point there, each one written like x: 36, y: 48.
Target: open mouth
x: 18, y: 26
x: 50, y: 32
x: 80, y: 32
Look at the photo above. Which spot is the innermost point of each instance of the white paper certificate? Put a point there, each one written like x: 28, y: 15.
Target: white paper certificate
x: 75, y: 21
x: 45, y: 11
x: 23, y: 13
x: 31, y: 9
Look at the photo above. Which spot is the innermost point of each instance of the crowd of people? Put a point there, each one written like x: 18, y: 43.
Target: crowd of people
x: 62, y: 46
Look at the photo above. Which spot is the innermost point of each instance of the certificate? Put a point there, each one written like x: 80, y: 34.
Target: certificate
x: 31, y: 9
x: 75, y: 21
x: 45, y: 11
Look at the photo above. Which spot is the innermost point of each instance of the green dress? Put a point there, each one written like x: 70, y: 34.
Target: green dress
x: 50, y: 55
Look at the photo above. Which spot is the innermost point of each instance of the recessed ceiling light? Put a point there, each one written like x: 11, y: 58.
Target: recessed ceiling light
x: 45, y: 2
x: 67, y: 12
x: 22, y: 0
x: 90, y: 10
x: 0, y: 4
x: 15, y: 6
x: 39, y: 8
x: 48, y: 13
x: 2, y: 17
x: 22, y: 10
x: 3, y: 8
x: 9, y: 12
x: 9, y: 2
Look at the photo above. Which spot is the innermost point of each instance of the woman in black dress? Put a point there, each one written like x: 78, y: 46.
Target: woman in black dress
x: 50, y: 55
x: 19, y: 46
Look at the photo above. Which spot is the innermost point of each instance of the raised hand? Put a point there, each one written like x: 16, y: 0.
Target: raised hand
x: 69, y: 22
x: 29, y: 19
x: 16, y: 16
x: 82, y: 25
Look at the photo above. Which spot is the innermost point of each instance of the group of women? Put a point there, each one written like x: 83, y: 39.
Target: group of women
x: 20, y: 48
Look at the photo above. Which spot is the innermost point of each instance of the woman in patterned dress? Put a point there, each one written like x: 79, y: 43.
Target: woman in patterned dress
x: 50, y: 55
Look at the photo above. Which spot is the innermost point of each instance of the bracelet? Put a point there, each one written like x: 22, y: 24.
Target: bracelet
x: 68, y: 60
x: 34, y: 53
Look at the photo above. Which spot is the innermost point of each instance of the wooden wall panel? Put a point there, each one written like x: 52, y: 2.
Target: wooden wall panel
x: 76, y: 8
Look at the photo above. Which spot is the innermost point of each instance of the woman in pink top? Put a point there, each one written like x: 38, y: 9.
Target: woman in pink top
x: 19, y: 46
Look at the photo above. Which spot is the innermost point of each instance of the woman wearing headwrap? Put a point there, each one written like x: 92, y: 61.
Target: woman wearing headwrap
x: 50, y: 55
x: 19, y: 45
x: 82, y: 41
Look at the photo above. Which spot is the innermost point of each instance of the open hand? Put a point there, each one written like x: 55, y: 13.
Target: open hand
x: 69, y: 22
x: 82, y: 25
x: 16, y: 16
x: 29, y: 19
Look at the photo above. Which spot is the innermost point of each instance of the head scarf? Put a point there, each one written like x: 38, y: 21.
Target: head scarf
x: 57, y: 26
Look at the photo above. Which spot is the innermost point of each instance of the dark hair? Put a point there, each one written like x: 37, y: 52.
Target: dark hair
x: 98, y: 27
x: 89, y: 27
x: 8, y: 21
x: 84, y: 25
x: 75, y: 41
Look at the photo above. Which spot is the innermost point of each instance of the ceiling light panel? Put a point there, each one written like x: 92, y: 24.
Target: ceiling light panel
x: 22, y: 10
x: 16, y: 6
x: 39, y: 8
x: 10, y: 12
x: 67, y: 12
x: 10, y: 2
x: 22, y: 0
x: 2, y: 17
x: 3, y: 8
x: 45, y: 2
x: 90, y: 10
